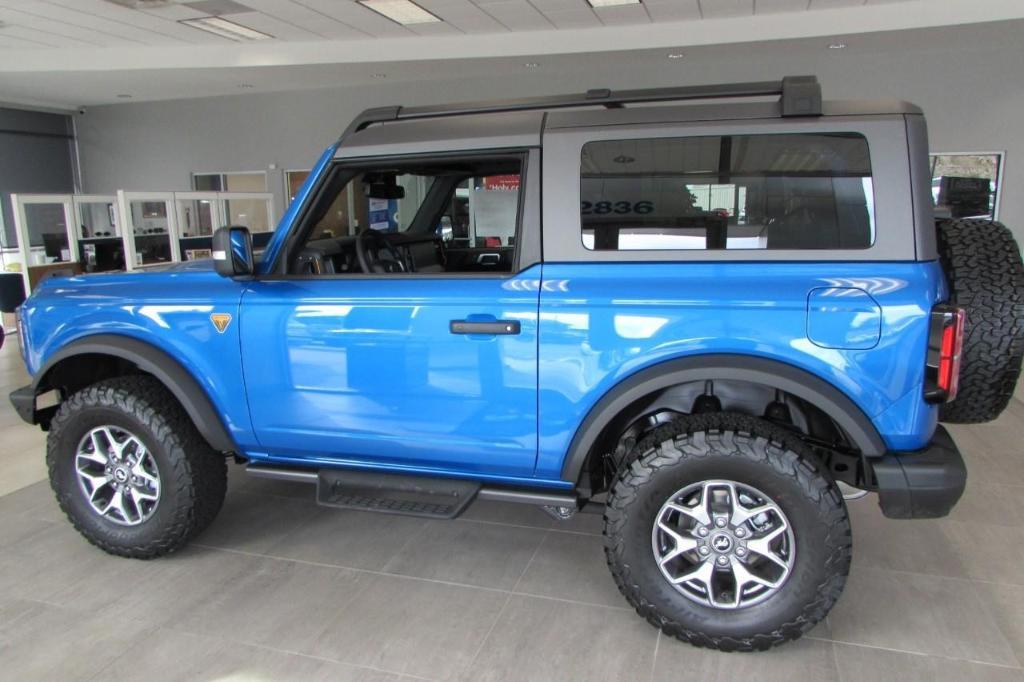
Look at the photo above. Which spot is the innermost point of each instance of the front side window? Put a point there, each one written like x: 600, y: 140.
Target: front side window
x: 791, y: 191
x: 426, y: 216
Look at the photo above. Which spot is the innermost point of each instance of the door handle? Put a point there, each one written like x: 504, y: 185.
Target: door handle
x: 489, y: 327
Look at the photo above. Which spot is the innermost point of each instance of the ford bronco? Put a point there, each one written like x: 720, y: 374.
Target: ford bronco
x: 697, y: 310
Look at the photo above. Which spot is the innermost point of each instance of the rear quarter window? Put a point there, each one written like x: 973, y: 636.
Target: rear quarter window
x: 778, y: 191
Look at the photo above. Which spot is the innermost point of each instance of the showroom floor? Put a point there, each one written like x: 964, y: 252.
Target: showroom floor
x: 279, y: 588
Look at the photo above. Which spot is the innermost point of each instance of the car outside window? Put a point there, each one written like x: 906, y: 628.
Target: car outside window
x: 789, y: 191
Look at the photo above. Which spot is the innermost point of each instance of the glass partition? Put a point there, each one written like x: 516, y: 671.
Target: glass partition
x: 199, y: 214
x: 150, y: 231
x: 253, y: 210
x: 45, y: 242
x: 100, y: 243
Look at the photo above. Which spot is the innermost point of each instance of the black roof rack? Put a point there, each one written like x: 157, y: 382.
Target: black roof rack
x: 798, y: 95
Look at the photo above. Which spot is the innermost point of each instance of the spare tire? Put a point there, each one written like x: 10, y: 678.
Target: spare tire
x: 986, y: 276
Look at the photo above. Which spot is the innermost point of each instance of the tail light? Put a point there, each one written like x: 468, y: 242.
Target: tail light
x: 945, y: 344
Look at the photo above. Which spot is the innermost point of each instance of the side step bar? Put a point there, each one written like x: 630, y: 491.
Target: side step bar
x: 439, y: 498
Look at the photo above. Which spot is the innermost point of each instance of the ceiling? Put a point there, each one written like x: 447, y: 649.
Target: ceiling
x: 66, y: 53
x: 62, y: 24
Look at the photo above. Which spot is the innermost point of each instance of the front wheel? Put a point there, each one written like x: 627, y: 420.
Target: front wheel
x: 130, y: 470
x: 724, y: 532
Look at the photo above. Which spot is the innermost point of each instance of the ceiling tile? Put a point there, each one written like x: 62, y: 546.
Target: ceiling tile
x: 358, y: 17
x: 673, y: 10
x: 559, y: 5
x: 622, y: 14
x: 581, y: 17
x: 117, y: 32
x: 272, y: 26
x: 132, y: 18
x: 25, y: 38
x: 772, y: 6
x: 715, y: 9
x: 829, y: 4
x: 174, y: 12
x: 463, y: 15
x: 516, y: 15
x: 45, y: 30
x: 304, y: 18
x: 438, y: 28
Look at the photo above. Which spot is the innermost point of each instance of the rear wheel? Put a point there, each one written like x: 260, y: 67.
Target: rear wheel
x: 724, y: 532
x: 130, y: 470
x: 986, y: 276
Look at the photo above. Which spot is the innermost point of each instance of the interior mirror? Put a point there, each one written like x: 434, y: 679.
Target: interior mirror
x: 384, y: 186
x: 232, y: 251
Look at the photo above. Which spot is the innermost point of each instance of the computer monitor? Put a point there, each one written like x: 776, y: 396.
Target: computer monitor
x: 54, y: 243
x: 107, y: 255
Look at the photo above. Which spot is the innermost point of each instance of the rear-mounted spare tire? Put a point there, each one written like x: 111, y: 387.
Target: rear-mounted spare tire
x: 986, y: 276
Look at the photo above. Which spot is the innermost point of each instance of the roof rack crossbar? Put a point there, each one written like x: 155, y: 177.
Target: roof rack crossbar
x: 798, y: 96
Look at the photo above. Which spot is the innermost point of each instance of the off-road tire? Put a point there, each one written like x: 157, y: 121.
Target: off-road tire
x: 749, y: 451
x: 986, y: 276
x: 193, y: 476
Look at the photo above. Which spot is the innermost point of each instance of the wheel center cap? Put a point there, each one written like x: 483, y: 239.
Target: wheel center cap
x: 120, y: 474
x: 721, y: 543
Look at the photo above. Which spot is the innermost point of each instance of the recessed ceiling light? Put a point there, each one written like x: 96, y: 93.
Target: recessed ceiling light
x: 612, y: 3
x: 837, y: 46
x: 675, y: 55
x: 531, y: 65
x: 401, y: 12
x: 124, y: 96
x: 226, y: 29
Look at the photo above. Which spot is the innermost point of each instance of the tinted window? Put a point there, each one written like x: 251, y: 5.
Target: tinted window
x: 802, y: 191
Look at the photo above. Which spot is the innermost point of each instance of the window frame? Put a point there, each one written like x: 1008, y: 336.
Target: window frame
x: 527, y: 251
x: 886, y: 135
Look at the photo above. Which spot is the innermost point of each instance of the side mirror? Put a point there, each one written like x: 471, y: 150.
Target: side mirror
x: 232, y: 251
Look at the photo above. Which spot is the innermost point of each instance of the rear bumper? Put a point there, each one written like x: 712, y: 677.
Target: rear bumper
x: 924, y: 484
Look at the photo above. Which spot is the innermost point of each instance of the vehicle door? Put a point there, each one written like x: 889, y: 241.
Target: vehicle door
x: 428, y: 370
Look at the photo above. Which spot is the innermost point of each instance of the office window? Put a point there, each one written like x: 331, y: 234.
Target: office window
x: 243, y: 181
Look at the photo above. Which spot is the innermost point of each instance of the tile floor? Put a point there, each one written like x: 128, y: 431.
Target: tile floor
x: 279, y: 588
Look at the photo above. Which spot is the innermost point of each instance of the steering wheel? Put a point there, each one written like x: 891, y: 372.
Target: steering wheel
x: 368, y: 246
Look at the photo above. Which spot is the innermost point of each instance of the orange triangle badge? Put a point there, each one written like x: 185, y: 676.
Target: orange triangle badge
x: 220, y: 321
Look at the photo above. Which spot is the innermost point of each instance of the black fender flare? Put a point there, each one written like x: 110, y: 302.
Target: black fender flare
x: 166, y: 369
x: 764, y: 371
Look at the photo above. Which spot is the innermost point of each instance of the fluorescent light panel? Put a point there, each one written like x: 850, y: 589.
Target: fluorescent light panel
x: 612, y: 3
x: 401, y: 12
x: 226, y: 29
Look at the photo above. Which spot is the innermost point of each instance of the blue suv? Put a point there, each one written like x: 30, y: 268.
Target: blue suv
x: 699, y: 319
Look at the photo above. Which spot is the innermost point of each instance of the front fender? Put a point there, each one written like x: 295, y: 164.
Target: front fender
x: 179, y: 381
x: 155, y: 317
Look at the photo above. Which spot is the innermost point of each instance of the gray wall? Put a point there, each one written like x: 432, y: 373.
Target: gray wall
x: 36, y: 156
x: 972, y: 92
